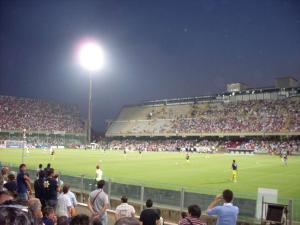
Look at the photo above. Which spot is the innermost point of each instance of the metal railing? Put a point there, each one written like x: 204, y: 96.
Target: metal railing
x: 176, y: 199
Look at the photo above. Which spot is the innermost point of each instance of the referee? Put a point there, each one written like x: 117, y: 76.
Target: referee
x: 234, y: 171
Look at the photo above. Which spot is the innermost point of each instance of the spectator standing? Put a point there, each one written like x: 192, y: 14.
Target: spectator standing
x: 193, y: 217
x: 23, y: 184
x: 3, y: 176
x: 149, y: 216
x: 124, y: 209
x: 39, y: 189
x: 39, y: 170
x: 73, y: 201
x: 47, y: 169
x: 51, y: 189
x: 227, y: 213
x: 64, y: 204
x: 98, y: 203
x: 11, y: 184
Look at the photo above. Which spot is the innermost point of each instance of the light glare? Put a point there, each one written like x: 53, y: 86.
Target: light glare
x: 91, y: 56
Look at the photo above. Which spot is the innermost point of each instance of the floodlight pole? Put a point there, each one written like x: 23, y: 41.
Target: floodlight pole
x: 89, y: 133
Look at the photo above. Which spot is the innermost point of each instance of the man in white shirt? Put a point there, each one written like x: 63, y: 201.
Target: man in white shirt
x: 124, y: 209
x: 98, y: 203
x: 64, y: 205
x: 98, y: 173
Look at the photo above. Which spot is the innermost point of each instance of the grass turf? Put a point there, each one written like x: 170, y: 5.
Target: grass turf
x: 204, y: 173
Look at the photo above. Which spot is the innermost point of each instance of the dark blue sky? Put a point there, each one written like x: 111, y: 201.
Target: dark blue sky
x: 154, y: 49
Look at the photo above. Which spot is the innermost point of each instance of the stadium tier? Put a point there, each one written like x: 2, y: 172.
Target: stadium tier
x: 44, y: 121
x: 275, y: 112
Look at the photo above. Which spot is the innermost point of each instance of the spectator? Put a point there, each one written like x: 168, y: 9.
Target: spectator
x: 149, y: 216
x: 35, y: 206
x: 51, y: 189
x: 62, y: 220
x: 183, y: 215
x: 193, y: 218
x: 3, y: 176
x: 5, y: 196
x: 124, y: 209
x: 14, y: 214
x: 64, y: 204
x: 11, y: 184
x: 47, y: 169
x: 49, y: 217
x: 39, y: 189
x: 23, y: 184
x: 73, y: 201
x: 39, y: 170
x: 80, y: 220
x: 127, y: 221
x: 227, y: 213
x: 98, y: 203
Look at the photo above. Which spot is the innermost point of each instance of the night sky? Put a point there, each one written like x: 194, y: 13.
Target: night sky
x: 153, y: 49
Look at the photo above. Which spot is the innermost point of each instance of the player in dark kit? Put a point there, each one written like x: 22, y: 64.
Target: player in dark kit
x: 234, y: 171
x: 285, y: 159
x: 187, y: 157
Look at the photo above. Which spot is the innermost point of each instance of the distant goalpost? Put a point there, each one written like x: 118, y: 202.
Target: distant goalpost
x: 14, y: 144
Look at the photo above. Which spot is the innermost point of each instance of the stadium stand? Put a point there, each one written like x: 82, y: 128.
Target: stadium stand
x: 273, y: 112
x: 45, y: 122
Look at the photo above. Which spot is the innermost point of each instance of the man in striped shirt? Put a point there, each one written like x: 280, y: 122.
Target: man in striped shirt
x: 124, y: 209
x: 193, y: 218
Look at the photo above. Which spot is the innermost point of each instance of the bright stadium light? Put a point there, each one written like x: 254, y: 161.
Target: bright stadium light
x: 91, y: 56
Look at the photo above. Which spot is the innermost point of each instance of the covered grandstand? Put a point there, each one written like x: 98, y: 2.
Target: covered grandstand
x: 251, y: 112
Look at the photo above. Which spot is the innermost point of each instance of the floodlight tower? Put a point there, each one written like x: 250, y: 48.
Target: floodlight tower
x: 91, y: 59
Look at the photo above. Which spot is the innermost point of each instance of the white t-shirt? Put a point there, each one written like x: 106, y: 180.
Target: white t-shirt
x: 63, y: 205
x: 125, y: 210
x: 98, y: 174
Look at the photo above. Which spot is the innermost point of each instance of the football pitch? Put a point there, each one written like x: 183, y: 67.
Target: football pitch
x: 204, y: 173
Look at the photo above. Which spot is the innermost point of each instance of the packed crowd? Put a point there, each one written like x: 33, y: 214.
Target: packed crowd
x: 203, y: 145
x: 253, y: 116
x: 244, y: 116
x: 53, y: 206
x: 17, y: 113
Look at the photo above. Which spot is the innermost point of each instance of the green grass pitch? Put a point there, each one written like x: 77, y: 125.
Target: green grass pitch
x: 204, y: 173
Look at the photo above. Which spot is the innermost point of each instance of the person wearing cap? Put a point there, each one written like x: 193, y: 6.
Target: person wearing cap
x: 11, y: 184
x: 124, y: 209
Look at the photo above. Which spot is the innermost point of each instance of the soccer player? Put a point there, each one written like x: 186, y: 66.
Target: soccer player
x: 98, y: 173
x: 52, y: 152
x: 285, y: 159
x: 187, y: 157
x: 234, y: 171
x: 26, y: 149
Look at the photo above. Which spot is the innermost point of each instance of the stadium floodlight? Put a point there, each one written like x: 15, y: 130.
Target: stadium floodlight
x: 91, y: 56
x: 91, y: 59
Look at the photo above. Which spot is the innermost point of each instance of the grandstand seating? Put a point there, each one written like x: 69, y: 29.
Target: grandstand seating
x: 209, y: 118
x: 19, y: 113
x: 46, y: 123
